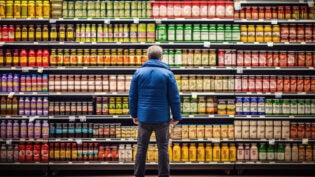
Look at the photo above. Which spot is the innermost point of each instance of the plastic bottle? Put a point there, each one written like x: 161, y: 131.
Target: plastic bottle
x: 9, y: 129
x: 39, y: 106
x: 31, y: 58
x: 212, y: 33
x: 16, y: 83
x: 3, y: 129
x: 16, y: 129
x: 45, y: 58
x: 220, y: 33
x: 45, y: 106
x: 33, y: 106
x: 23, y: 58
x: 10, y: 83
x: 37, y: 129
x: 228, y: 33
x: 188, y: 33
x: 45, y: 129
x: 196, y: 33
x: 39, y: 58
x: 16, y: 59
x: 171, y: 35
x: 4, y: 83
x: 30, y: 130
x: 23, y: 129
x: 179, y: 33
x: 254, y: 153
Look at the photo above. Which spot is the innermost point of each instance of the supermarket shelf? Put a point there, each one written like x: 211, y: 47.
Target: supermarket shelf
x: 203, y: 140
x: 287, y: 2
x: 88, y: 94
x: 272, y: 117
x: 276, y: 94
x: 32, y: 166
x: 92, y: 140
x: 24, y: 117
x: 130, y: 166
x: 90, y: 117
x: 273, y: 141
x: 16, y: 140
x: 220, y: 45
x: 274, y: 165
x: 273, y: 21
x: 23, y: 94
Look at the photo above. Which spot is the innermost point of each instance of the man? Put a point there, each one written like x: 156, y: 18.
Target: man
x: 153, y: 92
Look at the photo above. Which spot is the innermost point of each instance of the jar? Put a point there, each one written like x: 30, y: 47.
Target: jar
x: 192, y: 152
x: 225, y: 152
x: 276, y: 33
x: 244, y: 35
x: 208, y: 153
x: 185, y: 153
x: 216, y: 152
x: 251, y: 33
x: 201, y: 152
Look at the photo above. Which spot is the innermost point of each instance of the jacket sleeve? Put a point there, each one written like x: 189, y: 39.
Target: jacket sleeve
x: 133, y: 97
x: 174, y: 98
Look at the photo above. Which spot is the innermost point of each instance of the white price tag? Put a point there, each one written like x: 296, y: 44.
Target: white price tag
x: 239, y: 70
x: 78, y: 141
x: 239, y: 42
x: 94, y: 43
x: 81, y: 42
x: 311, y: 68
x: 82, y: 118
x: 71, y: 118
x: 310, y: 3
x: 11, y: 94
x: 249, y: 93
x: 201, y: 67
x: 278, y: 94
x: 93, y: 139
x: 194, y: 95
x: 237, y: 6
x: 89, y: 19
x: 58, y: 93
x: 114, y: 93
x: 301, y: 93
x: 274, y: 22
x: 75, y: 19
x: 256, y: 42
x: 61, y: 43
x: 115, y: 116
x: 2, y: 44
x: 262, y: 116
x: 191, y: 116
x: 171, y: 43
x: 107, y: 21
x: 9, y: 141
x: 52, y: 20
x: 211, y: 115
x: 85, y: 67
x: 248, y: 116
x: 32, y: 118
x: 157, y: 43
x: 287, y: 43
x: 158, y: 21
x: 142, y: 42
x: 216, y: 141
x: 40, y: 70
x: 34, y: 93
x: 60, y: 19
x: 259, y: 93
x: 291, y: 117
x: 271, y: 141
x: 261, y: 20
x: 303, y: 43
x: 277, y: 68
x: 25, y: 69
x: 207, y: 44
x: 232, y: 116
x: 136, y: 20
x: 305, y: 141
x: 270, y: 44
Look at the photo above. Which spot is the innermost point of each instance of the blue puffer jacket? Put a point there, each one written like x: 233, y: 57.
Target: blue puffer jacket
x: 153, y: 91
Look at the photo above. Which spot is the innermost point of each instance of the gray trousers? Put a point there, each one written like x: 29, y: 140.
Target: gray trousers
x: 162, y: 137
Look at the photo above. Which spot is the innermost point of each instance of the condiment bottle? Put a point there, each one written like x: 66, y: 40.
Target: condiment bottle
x: 38, y: 33
x: 31, y: 33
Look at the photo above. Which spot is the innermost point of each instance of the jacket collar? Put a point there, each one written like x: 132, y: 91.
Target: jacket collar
x: 155, y: 63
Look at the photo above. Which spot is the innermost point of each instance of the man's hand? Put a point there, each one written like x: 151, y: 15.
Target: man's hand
x: 174, y: 122
x: 135, y: 121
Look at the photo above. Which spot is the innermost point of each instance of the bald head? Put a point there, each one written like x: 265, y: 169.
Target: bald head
x: 155, y: 52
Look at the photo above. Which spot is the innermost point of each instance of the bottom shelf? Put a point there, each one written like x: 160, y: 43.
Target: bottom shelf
x: 24, y: 166
x: 275, y: 166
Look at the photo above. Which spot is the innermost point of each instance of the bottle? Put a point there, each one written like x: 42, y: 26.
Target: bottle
x: 37, y: 129
x: 287, y: 152
x: 212, y: 33
x: 271, y: 153
x: 4, y: 83
x: 24, y: 33
x: 8, y: 58
x: 17, y: 9
x: 53, y: 33
x: 23, y: 58
x: 171, y: 35
x: 280, y: 153
x: 45, y: 35
x: 179, y: 33
x: 228, y: 33
x: 9, y: 129
x: 38, y: 33
x: 31, y: 33
x: 16, y: 58
x: 24, y: 9
x: 196, y: 34
x: 3, y: 129
x: 39, y: 58
x: 236, y: 33
x: 16, y: 129
x: 11, y: 33
x: 220, y: 33
x: 254, y: 153
x: 262, y: 152
x: 14, y: 106
x: 10, y: 83
x: 31, y: 9
x: 188, y: 33
x: 18, y: 33
x: 30, y: 130
x: 31, y: 58
x: 23, y: 129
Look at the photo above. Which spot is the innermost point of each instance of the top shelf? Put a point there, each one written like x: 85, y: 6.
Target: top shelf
x: 148, y: 20
x: 286, y: 2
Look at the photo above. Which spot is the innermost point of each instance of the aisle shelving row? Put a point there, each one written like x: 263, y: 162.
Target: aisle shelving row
x: 149, y: 20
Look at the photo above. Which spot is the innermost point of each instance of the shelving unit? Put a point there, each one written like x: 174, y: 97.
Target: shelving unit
x: 184, y: 70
